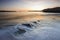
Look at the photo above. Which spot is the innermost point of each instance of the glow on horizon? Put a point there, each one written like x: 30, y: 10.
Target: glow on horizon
x: 37, y: 7
x: 28, y: 4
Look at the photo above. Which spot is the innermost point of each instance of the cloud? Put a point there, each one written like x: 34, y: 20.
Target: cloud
x: 40, y: 0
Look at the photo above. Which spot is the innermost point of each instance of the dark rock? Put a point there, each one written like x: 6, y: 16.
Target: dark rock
x: 35, y: 22
x: 20, y: 31
x: 38, y: 20
x: 28, y: 25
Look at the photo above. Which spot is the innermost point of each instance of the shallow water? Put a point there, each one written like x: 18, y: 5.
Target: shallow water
x: 37, y: 26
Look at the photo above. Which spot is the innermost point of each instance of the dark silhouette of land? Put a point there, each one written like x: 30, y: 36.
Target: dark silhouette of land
x: 6, y: 11
x: 52, y: 10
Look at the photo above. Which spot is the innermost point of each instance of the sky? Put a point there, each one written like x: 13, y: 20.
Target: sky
x: 28, y: 4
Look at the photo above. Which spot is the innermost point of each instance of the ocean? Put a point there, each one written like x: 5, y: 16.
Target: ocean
x: 29, y: 26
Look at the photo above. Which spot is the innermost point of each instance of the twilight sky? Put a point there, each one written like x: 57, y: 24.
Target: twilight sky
x: 28, y: 4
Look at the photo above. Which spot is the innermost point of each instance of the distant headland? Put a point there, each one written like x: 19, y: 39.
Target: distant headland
x: 52, y: 10
x: 6, y: 11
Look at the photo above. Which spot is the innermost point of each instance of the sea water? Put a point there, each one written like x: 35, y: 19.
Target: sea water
x: 29, y: 26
